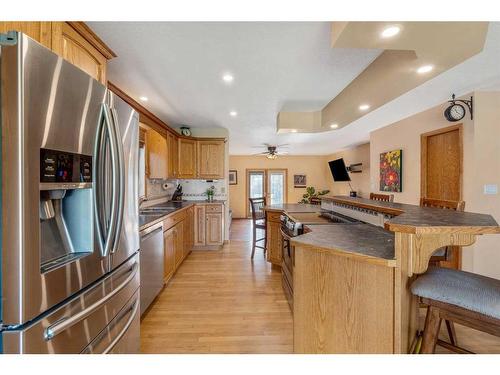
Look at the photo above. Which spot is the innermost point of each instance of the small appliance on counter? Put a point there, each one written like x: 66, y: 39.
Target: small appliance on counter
x: 177, y: 196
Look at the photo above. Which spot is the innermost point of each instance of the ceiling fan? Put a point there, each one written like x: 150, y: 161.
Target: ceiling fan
x: 272, y: 150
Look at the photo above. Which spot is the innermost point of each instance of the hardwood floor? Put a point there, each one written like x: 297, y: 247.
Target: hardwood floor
x: 221, y: 302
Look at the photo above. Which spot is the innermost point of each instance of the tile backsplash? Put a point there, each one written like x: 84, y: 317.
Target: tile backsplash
x: 192, y: 189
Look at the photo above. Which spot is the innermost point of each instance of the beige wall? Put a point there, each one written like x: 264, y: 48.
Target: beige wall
x: 314, y: 167
x: 481, y: 145
x: 360, y: 181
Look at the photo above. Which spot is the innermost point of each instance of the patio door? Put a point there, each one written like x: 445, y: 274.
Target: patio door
x: 269, y: 183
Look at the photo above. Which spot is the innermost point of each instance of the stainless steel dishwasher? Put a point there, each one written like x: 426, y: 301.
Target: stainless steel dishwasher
x: 151, y: 264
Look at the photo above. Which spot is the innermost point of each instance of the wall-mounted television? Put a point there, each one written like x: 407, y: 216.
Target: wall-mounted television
x: 339, y: 170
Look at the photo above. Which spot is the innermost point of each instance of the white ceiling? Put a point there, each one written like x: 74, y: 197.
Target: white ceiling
x: 277, y: 66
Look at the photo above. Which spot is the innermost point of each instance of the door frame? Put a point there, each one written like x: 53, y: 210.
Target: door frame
x: 423, y: 156
x: 266, y: 183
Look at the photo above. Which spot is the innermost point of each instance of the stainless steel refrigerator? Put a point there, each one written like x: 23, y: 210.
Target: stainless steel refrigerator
x: 70, y: 238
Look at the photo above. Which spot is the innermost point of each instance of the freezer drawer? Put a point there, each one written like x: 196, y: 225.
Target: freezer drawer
x: 71, y: 327
x: 122, y: 335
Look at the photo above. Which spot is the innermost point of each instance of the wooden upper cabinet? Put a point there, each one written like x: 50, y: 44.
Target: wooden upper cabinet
x: 173, y: 155
x: 157, y: 154
x: 211, y: 159
x: 39, y: 31
x: 187, y: 158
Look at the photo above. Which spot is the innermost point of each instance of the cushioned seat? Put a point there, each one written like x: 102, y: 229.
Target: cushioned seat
x: 464, y: 289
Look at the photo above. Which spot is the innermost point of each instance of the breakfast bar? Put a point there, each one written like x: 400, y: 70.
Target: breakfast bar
x: 351, y: 280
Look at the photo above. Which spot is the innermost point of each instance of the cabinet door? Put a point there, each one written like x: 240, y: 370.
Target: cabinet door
x: 187, y: 158
x: 173, y: 156
x: 211, y: 159
x: 214, y: 229
x: 179, y: 244
x: 73, y: 47
x: 199, y: 225
x: 189, y: 231
x: 156, y: 146
x: 169, y: 249
x: 39, y: 31
x: 274, y: 243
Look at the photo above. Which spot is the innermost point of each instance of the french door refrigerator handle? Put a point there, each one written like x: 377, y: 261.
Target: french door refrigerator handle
x: 115, y: 176
x: 97, y: 191
x: 67, y: 322
x: 121, y: 181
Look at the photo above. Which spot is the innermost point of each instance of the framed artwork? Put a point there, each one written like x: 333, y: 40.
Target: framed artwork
x: 391, y: 173
x: 299, y: 180
x: 233, y: 177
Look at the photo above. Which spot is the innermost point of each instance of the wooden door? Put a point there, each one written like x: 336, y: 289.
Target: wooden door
x: 39, y: 31
x: 73, y: 47
x: 187, y: 158
x: 199, y: 225
x: 169, y: 251
x: 442, y: 164
x: 211, y: 159
x: 214, y: 229
x: 179, y: 243
x: 441, y: 172
x: 173, y: 156
x: 157, y: 154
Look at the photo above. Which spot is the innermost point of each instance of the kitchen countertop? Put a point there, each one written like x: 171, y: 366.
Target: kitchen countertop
x: 146, y: 221
x: 363, y: 241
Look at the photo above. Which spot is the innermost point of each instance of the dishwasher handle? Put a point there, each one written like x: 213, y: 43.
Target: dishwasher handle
x: 150, y: 231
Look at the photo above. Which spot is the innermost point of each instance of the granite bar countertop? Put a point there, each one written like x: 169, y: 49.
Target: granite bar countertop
x: 171, y: 208
x: 409, y: 218
x: 363, y: 241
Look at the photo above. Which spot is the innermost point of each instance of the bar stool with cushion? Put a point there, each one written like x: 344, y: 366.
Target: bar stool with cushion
x: 382, y: 197
x: 457, y: 296
x: 259, y: 222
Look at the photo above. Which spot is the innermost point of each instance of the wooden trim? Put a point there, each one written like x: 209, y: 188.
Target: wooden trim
x: 92, y: 38
x: 423, y: 156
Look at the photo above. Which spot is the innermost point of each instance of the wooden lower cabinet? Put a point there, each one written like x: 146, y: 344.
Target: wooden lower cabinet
x: 169, y: 251
x: 177, y: 239
x: 274, y: 241
x: 209, y: 225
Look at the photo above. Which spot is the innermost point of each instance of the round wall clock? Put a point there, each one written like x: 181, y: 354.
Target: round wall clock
x: 454, y: 112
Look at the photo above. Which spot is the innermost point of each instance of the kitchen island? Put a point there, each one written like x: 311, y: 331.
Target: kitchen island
x: 351, y: 281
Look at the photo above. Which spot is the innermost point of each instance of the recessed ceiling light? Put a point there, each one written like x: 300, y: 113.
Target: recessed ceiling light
x: 364, y: 107
x: 143, y: 98
x: 425, y: 69
x: 390, y: 31
x: 233, y: 113
x: 334, y: 126
x: 228, y: 78
x: 294, y: 130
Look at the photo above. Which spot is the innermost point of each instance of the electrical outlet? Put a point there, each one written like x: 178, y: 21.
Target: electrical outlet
x: 490, y: 189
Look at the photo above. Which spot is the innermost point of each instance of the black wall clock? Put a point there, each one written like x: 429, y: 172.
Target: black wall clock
x: 456, y: 111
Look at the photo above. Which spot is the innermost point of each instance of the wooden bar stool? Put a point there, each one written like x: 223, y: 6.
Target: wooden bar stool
x: 457, y: 296
x: 443, y: 253
x: 258, y: 222
x: 382, y: 197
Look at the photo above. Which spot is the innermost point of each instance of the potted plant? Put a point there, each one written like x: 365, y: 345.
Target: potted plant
x: 312, y: 193
x: 210, y: 193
